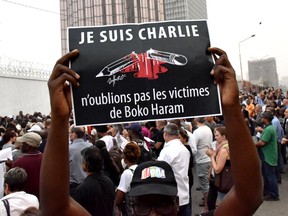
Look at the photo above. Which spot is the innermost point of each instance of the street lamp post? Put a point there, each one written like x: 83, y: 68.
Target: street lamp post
x: 241, y: 60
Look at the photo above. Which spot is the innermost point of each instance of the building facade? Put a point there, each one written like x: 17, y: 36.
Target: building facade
x: 185, y: 9
x: 263, y: 72
x: 106, y: 12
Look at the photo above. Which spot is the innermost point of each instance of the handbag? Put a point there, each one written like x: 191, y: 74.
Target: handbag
x: 224, y: 179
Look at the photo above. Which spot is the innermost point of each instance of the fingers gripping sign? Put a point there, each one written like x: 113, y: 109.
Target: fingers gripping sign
x: 225, y: 77
x: 59, y: 89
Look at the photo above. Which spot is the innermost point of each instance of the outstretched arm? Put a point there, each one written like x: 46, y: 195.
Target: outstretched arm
x: 54, y: 177
x: 246, y: 195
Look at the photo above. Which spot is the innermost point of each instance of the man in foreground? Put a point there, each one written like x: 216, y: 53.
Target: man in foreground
x: 154, y: 186
x: 243, y: 199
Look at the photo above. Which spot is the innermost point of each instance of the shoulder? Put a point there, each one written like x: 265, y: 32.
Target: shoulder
x: 20, y: 199
x: 2, y: 208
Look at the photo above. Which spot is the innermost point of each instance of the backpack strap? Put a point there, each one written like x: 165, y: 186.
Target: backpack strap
x: 132, y: 170
x: 7, y: 206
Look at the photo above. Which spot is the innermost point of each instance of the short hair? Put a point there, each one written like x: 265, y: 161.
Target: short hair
x: 101, y: 128
x: 200, y: 119
x: 176, y: 121
x: 267, y: 115
x: 92, y: 158
x: 132, y: 152
x: 79, y: 131
x: 162, y: 122
x: 31, y: 211
x: 16, y: 179
x: 172, y: 129
x: 118, y: 127
x: 270, y: 109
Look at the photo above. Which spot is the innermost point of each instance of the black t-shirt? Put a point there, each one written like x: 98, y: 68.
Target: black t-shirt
x: 158, y: 137
x: 96, y: 194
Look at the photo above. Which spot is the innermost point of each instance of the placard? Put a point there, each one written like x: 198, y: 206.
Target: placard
x: 137, y: 72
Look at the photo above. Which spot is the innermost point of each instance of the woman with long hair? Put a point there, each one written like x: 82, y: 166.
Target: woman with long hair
x: 219, y: 159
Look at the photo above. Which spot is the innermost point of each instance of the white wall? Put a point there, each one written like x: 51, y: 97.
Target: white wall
x: 23, y: 94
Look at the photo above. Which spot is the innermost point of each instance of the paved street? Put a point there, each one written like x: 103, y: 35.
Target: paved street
x: 266, y: 209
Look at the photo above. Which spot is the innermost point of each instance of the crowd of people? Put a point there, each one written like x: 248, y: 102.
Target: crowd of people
x: 145, y: 168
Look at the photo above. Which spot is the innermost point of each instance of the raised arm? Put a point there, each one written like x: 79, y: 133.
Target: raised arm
x: 247, y: 194
x: 54, y: 178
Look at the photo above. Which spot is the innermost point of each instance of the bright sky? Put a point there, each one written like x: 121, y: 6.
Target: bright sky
x: 29, y: 34
x: 233, y: 21
x: 33, y: 35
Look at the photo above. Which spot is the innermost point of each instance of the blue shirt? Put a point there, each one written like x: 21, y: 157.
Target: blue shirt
x: 77, y: 175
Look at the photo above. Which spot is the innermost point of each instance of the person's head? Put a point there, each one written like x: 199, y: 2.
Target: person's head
x: 176, y: 121
x: 258, y: 108
x: 47, y: 123
x: 34, y: 119
x: 171, y: 131
x: 131, y: 153
x: 117, y: 128
x: 29, y: 142
x: 23, y: 124
x: 183, y: 135
x: 31, y: 211
x: 209, y: 119
x: 220, y: 134
x: 266, y: 117
x: 286, y: 113
x: 2, y: 131
x: 77, y: 133
x: 161, y: 124
x: 35, y: 128
x: 134, y: 131
x: 270, y: 109
x: 100, y: 144
x: 15, y: 180
x: 9, y: 136
x: 154, y: 189
x: 102, y: 130
x: 199, y: 121
x: 92, y: 160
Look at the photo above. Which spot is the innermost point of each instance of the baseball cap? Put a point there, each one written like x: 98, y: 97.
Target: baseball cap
x: 31, y: 138
x: 35, y: 127
x: 134, y: 127
x: 153, y: 177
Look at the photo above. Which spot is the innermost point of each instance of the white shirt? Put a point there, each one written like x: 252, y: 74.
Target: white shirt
x: 126, y: 178
x: 19, y: 201
x: 108, y: 141
x: 177, y: 155
x: 203, y: 138
x: 191, y: 142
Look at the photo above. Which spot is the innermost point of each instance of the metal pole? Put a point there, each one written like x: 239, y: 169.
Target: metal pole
x: 242, y: 80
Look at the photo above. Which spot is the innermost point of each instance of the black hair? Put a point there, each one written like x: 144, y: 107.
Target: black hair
x: 93, y: 159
